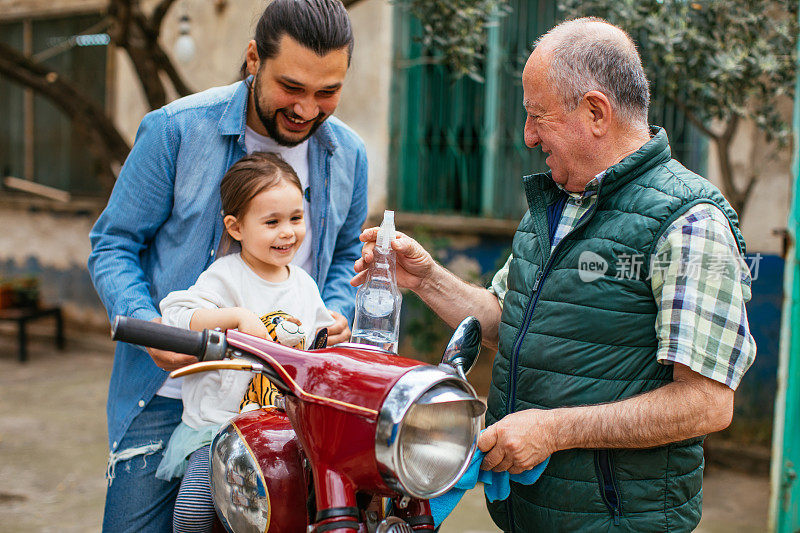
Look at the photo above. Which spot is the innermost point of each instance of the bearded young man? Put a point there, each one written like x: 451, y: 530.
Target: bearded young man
x: 162, y: 225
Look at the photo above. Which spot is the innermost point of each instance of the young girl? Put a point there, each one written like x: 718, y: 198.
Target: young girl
x: 262, y: 205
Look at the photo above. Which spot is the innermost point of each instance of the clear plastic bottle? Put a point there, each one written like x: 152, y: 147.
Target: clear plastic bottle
x: 378, y: 300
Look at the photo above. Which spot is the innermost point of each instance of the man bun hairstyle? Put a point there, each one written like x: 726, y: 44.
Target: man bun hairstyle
x: 320, y: 25
x: 590, y: 54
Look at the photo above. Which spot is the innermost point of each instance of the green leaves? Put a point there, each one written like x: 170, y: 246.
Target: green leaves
x: 455, y: 30
x: 718, y: 58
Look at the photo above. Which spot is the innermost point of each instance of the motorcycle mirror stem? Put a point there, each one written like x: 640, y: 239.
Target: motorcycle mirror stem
x: 464, y: 346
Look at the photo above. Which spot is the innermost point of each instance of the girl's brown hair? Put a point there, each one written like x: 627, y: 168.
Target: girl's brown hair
x: 248, y: 177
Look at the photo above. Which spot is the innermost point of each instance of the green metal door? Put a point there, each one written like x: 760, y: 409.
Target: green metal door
x: 457, y: 145
x: 785, y: 496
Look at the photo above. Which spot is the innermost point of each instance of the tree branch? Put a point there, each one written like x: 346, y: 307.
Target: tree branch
x: 735, y: 196
x: 159, y: 57
x: 158, y: 15
x: 132, y: 24
x: 168, y: 67
x: 120, y: 12
x: 147, y: 71
x: 750, y: 184
x: 694, y: 119
x: 731, y: 128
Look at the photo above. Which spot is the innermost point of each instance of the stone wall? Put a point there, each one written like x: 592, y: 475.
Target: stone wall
x: 54, y: 247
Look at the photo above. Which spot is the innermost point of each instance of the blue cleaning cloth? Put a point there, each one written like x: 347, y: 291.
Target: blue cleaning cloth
x: 496, y: 485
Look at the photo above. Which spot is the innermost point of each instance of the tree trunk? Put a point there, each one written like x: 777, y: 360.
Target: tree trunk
x: 138, y: 35
x: 722, y: 143
x: 151, y: 29
x: 147, y: 71
x: 737, y: 196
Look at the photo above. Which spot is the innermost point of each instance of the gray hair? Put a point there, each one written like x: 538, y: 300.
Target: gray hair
x: 590, y: 54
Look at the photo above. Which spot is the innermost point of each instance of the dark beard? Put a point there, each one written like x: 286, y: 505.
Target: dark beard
x: 270, y: 123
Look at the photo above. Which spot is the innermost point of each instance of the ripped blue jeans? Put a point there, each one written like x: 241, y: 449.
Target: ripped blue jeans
x: 135, y: 500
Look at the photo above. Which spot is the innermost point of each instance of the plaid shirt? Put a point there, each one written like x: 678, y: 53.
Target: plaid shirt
x: 700, y: 283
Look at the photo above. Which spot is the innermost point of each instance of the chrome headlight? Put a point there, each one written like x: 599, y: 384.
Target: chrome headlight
x: 237, y: 483
x: 427, y: 432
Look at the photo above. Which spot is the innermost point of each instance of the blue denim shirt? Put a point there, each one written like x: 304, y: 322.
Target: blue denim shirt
x: 162, y: 225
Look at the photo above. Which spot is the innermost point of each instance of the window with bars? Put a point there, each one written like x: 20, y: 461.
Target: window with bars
x: 37, y: 141
x: 457, y: 145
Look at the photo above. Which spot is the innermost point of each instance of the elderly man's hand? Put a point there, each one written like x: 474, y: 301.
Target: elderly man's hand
x: 414, y: 263
x: 518, y: 442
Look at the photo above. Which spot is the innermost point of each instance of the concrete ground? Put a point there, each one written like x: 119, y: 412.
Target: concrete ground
x: 53, y: 449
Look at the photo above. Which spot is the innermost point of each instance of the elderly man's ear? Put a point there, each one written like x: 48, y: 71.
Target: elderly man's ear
x: 597, y: 109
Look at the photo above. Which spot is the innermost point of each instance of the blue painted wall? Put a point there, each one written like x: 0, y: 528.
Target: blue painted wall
x: 755, y: 398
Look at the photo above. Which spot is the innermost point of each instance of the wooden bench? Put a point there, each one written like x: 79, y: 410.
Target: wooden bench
x: 23, y: 315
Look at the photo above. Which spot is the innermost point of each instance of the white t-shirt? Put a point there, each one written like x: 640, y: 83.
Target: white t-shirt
x: 297, y: 156
x: 211, y: 398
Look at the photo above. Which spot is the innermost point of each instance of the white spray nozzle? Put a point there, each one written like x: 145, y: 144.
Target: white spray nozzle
x: 386, y: 231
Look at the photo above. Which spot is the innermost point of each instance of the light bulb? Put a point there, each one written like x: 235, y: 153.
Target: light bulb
x: 184, y: 45
x: 184, y: 48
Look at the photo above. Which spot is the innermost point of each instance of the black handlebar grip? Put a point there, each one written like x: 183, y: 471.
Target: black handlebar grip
x: 154, y: 335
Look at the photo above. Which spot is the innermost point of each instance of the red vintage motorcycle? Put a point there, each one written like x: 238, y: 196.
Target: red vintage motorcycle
x: 361, y: 441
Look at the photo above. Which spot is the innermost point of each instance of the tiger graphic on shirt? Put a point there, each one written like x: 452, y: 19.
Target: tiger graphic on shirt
x: 283, y: 330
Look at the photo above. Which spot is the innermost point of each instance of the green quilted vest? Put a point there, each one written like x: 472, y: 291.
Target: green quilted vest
x: 574, y: 332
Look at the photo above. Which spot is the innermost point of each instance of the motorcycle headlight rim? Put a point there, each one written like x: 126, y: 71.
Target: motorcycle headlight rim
x: 229, y: 447
x: 405, y: 394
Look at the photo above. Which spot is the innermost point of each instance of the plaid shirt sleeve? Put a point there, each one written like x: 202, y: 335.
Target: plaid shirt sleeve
x: 700, y: 283
x: 499, y: 285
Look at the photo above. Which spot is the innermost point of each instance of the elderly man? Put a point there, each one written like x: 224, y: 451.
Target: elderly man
x: 619, y: 316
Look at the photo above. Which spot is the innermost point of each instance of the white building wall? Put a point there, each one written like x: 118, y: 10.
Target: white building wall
x: 365, y: 103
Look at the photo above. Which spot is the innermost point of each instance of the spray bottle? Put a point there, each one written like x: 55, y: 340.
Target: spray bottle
x: 378, y: 300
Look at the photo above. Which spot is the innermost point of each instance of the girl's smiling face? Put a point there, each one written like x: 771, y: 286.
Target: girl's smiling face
x: 271, y: 230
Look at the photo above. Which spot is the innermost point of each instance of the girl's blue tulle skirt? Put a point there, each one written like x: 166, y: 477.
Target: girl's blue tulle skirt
x: 183, y: 442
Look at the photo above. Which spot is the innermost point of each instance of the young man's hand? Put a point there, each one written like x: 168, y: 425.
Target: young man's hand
x: 169, y: 361
x: 339, y: 331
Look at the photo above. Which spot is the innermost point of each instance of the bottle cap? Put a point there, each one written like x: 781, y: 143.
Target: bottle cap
x: 386, y: 231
